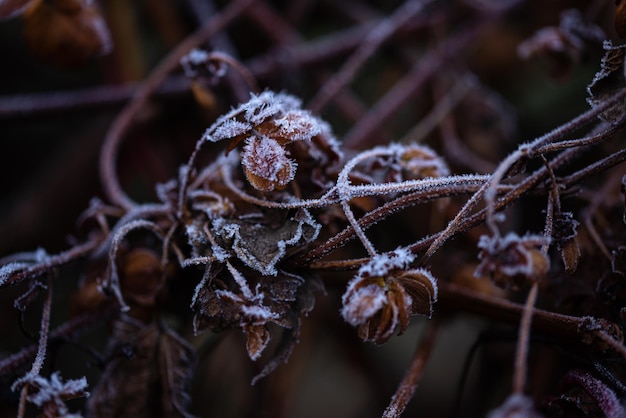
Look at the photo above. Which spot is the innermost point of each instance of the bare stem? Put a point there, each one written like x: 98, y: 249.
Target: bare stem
x: 414, y: 373
x: 122, y: 123
x: 521, y: 352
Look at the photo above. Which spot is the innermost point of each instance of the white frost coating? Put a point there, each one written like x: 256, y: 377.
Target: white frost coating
x: 298, y: 125
x: 53, y: 390
x: 265, y: 158
x: 231, y: 231
x: 220, y: 253
x: 363, y: 303
x: 196, y: 56
x: 229, y: 128
x: 9, y: 269
x: 195, y: 235
x: 255, y: 111
x: 380, y: 265
x: 260, y: 108
x: 258, y: 314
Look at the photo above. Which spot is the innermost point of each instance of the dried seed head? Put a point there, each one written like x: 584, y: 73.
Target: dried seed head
x: 383, y: 296
x: 512, y: 259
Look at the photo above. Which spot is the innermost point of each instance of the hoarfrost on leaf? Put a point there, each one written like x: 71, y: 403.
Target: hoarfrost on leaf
x: 261, y: 247
x: 360, y: 304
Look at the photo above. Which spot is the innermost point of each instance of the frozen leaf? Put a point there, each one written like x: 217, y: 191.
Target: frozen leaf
x: 261, y: 247
x: 50, y: 394
x: 266, y: 164
x: 257, y: 338
x: 608, y: 81
x: 152, y: 381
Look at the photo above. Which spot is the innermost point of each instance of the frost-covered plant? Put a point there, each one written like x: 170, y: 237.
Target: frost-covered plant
x: 269, y: 204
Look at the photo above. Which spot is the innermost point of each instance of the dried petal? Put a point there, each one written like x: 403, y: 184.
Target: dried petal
x: 257, y: 338
x: 512, y: 259
x: 266, y: 164
x: 422, y: 287
x: 383, y: 296
x: 261, y: 247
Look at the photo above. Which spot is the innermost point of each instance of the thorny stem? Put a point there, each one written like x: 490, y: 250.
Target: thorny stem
x: 122, y: 123
x: 414, y: 373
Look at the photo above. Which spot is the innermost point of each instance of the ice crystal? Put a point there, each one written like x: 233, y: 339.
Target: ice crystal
x: 381, y: 264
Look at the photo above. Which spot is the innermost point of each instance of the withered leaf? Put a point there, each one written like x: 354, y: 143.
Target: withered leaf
x: 260, y: 246
x: 608, y: 81
x: 152, y: 381
x: 66, y: 33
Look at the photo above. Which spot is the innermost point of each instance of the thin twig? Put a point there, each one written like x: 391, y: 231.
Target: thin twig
x: 414, y: 373
x: 124, y: 120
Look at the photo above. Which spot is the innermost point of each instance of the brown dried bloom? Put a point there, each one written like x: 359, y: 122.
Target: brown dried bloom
x: 512, y: 259
x: 384, y: 295
x: 268, y: 123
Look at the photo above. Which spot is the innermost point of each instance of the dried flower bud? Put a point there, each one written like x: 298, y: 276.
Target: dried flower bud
x: 141, y: 276
x: 67, y: 33
x: 512, y: 259
x: 270, y: 124
x: 382, y: 297
x: 266, y: 164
